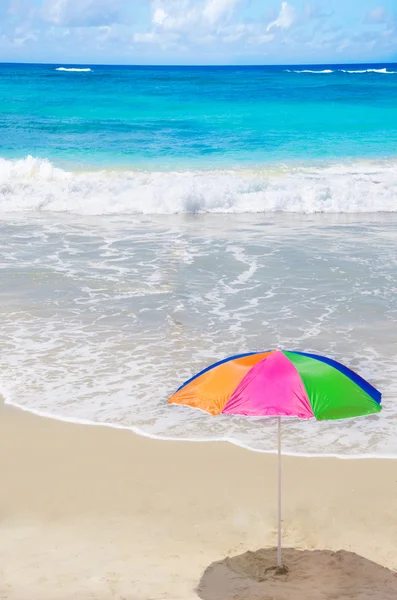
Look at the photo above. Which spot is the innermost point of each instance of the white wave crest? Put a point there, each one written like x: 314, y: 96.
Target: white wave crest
x: 384, y: 71
x: 33, y: 184
x: 310, y: 71
x: 75, y: 70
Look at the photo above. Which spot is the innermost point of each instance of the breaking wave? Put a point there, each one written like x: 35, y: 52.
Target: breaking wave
x: 384, y: 71
x: 33, y: 184
x: 73, y: 69
x: 370, y: 71
x: 309, y: 71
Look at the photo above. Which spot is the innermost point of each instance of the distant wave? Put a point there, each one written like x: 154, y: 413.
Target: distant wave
x: 309, y: 71
x: 36, y: 185
x: 382, y: 71
x: 73, y: 69
x: 371, y: 71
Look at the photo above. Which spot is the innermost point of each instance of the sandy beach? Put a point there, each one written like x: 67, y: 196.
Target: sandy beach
x: 198, y: 217
x: 93, y: 512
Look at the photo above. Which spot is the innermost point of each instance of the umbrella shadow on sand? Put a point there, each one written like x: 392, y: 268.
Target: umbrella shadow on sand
x: 312, y: 575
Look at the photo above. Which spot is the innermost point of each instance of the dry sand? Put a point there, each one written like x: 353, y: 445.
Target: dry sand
x: 94, y: 513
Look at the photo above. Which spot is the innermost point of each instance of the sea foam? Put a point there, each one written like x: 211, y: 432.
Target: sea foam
x: 384, y: 71
x: 310, y: 71
x: 75, y: 70
x: 34, y: 184
x: 358, y: 71
x: 104, y: 318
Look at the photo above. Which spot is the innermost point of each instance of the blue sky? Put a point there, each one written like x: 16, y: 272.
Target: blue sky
x: 198, y: 31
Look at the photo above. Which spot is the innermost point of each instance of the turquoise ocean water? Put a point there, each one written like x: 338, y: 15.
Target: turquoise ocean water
x: 156, y: 219
x: 198, y: 117
x: 253, y: 126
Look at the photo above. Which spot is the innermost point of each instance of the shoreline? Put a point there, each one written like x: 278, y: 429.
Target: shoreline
x: 140, y: 433
x: 95, y: 512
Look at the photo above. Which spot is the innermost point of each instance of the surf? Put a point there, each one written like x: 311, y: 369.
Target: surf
x: 35, y: 184
x: 73, y: 70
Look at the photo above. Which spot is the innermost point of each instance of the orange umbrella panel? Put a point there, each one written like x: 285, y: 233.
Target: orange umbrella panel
x: 211, y: 389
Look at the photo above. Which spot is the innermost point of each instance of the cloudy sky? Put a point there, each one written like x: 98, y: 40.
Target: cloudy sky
x: 198, y: 31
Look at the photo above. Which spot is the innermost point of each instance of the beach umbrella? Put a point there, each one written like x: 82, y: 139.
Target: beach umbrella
x: 280, y: 384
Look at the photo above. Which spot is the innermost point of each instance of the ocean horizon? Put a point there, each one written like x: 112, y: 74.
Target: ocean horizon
x: 155, y: 219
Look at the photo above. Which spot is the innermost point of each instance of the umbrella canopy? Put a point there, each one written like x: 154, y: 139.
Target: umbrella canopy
x: 280, y: 384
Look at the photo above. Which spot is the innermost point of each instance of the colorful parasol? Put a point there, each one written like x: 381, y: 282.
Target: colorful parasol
x: 280, y: 384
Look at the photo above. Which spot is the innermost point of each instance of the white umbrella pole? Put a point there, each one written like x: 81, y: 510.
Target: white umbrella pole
x: 279, y: 563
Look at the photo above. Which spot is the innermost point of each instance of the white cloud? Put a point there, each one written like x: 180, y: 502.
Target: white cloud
x: 285, y: 18
x: 252, y: 34
x: 191, y: 15
x: 236, y: 33
x: 205, y: 22
x: 197, y: 30
x: 82, y: 13
x: 376, y: 15
x: 174, y: 16
x: 214, y: 10
x: 159, y: 16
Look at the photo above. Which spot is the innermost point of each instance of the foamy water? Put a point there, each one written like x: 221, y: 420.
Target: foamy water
x: 73, y: 69
x: 33, y: 184
x: 383, y: 71
x: 103, y: 317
